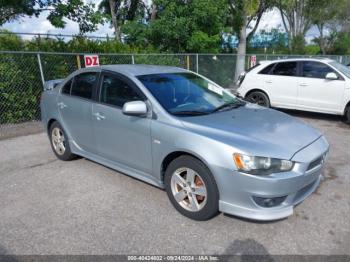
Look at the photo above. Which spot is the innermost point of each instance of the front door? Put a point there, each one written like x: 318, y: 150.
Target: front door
x: 121, y: 138
x: 316, y: 93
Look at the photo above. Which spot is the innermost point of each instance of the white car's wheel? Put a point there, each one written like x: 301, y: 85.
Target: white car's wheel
x: 347, y: 115
x: 258, y: 97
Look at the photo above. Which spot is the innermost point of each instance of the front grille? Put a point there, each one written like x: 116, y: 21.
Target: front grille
x: 315, y: 163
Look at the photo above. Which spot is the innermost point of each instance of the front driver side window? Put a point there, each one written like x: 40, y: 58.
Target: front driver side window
x: 315, y: 69
x: 116, y: 92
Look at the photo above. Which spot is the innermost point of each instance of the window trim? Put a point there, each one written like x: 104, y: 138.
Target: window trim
x: 340, y: 77
x: 71, y: 82
x: 123, y: 78
x: 273, y: 66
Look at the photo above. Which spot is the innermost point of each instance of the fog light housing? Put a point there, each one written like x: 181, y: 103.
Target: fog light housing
x: 269, y: 202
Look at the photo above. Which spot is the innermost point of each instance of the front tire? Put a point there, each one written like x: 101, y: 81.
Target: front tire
x: 191, y: 188
x: 59, y: 142
x: 258, y: 97
x: 347, y: 115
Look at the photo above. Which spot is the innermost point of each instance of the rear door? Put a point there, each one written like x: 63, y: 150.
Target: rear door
x: 121, y: 138
x: 316, y: 93
x: 281, y: 84
x: 75, y: 106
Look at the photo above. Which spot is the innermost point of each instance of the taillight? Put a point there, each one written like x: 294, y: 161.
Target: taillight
x: 241, y: 78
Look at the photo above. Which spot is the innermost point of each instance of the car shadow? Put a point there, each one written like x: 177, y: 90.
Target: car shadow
x: 246, y: 250
x: 5, y: 256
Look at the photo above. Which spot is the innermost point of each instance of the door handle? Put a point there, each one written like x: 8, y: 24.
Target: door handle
x: 99, y: 116
x: 61, y: 105
x: 303, y: 84
x: 268, y: 81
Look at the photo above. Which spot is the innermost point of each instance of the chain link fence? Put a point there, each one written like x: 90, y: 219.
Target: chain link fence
x: 22, y: 75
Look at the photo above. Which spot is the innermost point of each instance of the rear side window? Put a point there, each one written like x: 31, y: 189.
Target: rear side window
x: 285, y: 69
x: 266, y: 70
x: 83, y: 85
x: 116, y: 92
x: 315, y: 69
x: 66, y: 87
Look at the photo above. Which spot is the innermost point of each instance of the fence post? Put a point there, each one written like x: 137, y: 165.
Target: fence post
x: 132, y: 59
x: 197, y: 63
x: 188, y: 62
x: 41, y: 69
x: 78, y: 62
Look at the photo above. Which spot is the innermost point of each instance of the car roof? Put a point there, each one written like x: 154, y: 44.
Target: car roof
x: 323, y: 59
x: 137, y: 70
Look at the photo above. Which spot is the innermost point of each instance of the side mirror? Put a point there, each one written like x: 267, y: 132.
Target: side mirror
x: 135, y: 108
x: 331, y: 76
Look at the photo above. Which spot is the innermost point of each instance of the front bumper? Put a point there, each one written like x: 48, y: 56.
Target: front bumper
x: 238, y: 190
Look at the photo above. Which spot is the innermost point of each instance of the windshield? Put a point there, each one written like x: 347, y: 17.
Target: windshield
x: 186, y: 92
x: 342, y: 68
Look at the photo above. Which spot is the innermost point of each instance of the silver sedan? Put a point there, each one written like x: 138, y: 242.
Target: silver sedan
x: 180, y: 131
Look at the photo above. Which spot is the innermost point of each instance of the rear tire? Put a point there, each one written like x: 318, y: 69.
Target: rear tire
x: 258, y: 97
x: 59, y: 142
x: 347, y: 115
x: 191, y: 188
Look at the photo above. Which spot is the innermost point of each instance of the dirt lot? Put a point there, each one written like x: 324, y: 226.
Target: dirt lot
x: 52, y: 207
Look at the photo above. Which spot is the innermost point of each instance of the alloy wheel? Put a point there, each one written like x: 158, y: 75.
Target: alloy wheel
x: 257, y: 98
x: 58, y: 141
x: 188, y: 189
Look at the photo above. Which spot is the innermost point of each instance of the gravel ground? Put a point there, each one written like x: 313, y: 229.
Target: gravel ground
x: 79, y: 207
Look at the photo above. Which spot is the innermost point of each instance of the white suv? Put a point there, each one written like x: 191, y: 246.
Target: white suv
x: 318, y: 85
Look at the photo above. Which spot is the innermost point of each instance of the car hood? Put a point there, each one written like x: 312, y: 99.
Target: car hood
x: 255, y: 130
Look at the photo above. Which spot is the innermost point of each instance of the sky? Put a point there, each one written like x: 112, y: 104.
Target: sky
x: 271, y: 19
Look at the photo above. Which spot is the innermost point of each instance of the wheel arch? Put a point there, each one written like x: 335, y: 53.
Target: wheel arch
x: 346, y: 106
x: 49, y: 124
x: 175, y: 154
x: 257, y: 90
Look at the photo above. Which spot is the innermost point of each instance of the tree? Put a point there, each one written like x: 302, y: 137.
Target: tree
x: 84, y: 14
x: 180, y: 26
x: 119, y: 11
x: 331, y: 19
x: 322, y: 15
x: 74, y: 10
x: 14, y: 9
x: 245, y: 15
x: 296, y: 20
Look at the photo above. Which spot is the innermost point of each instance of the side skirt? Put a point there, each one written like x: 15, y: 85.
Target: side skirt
x: 145, y: 177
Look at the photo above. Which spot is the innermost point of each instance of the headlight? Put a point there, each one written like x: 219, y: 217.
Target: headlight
x: 258, y: 165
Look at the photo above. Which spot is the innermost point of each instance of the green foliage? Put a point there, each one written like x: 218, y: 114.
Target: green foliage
x: 10, y: 41
x: 312, y: 50
x: 342, y: 46
x: 202, y: 43
x: 19, y: 102
x: 298, y: 44
x: 84, y: 14
x: 75, y: 10
x: 13, y: 9
x: 77, y: 44
x: 180, y: 25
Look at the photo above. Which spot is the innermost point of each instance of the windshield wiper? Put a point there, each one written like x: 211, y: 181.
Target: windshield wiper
x: 230, y: 105
x: 190, y: 113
